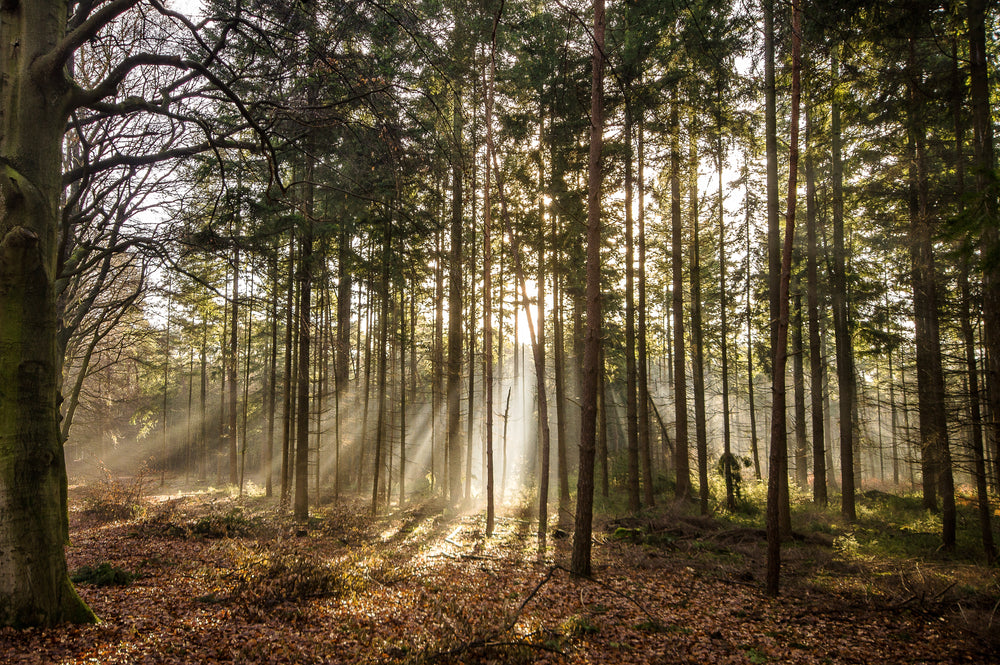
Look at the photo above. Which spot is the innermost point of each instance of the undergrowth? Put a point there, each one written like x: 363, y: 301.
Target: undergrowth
x: 265, y: 576
x: 113, y: 498
x: 103, y: 574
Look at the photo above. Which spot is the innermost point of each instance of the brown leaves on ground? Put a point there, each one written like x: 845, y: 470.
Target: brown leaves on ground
x: 222, y: 581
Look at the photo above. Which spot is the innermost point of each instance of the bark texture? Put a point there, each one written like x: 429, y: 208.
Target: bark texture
x: 580, y: 564
x: 35, y: 100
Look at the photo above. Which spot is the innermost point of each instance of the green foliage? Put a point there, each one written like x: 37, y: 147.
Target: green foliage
x: 736, y: 465
x: 231, y: 524
x: 631, y: 535
x: 649, y: 626
x: 103, y: 574
x: 578, y: 625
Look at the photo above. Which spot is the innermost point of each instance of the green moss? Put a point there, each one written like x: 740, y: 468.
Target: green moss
x: 104, y: 574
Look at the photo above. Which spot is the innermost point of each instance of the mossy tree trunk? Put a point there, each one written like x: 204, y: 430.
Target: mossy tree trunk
x: 36, y: 98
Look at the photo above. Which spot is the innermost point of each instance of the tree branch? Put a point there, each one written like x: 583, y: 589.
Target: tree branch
x: 56, y: 59
x: 109, y: 86
x: 145, y: 160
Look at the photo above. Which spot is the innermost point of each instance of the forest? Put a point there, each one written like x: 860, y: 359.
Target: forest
x: 499, y: 331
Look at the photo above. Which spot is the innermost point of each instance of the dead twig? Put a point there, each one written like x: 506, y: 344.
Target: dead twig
x: 494, y: 644
x: 624, y: 595
x: 531, y: 595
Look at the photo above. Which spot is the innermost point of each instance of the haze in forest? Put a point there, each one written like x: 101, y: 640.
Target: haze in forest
x: 660, y: 254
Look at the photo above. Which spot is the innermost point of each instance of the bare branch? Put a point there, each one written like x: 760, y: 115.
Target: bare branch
x: 145, y: 160
x: 57, y: 58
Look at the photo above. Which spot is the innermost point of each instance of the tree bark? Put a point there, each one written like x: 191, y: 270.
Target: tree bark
x: 697, y: 337
x: 777, y: 472
x: 728, y: 461
x: 681, y: 460
x: 986, y: 186
x: 234, y: 354
x: 645, y: 453
x: 841, y: 331
x: 799, y: 388
x: 935, y: 453
x: 488, y: 283
x: 815, y: 345
x: 453, y: 391
x: 304, y: 336
x: 35, y: 589
x: 343, y: 351
x: 968, y: 336
x: 580, y: 564
x: 771, y: 153
x: 272, y: 379
x: 631, y: 424
x: 288, y: 396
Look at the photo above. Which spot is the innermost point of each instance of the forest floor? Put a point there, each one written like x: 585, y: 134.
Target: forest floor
x: 202, y: 578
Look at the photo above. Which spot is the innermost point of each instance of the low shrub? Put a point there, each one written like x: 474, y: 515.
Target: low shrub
x: 232, y: 524
x: 103, y: 574
x: 266, y: 577
x: 115, y: 498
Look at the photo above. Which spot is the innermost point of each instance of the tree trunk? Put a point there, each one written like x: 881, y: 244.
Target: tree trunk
x: 288, y: 396
x: 697, y: 341
x: 842, y: 334
x: 203, y: 406
x: 35, y: 589
x: 986, y: 186
x: 631, y: 424
x: 166, y: 377
x: 234, y: 354
x: 471, y: 325
x: 559, y: 369
x: 454, y: 433
x: 488, y: 286
x: 545, y: 443
x: 777, y: 472
x: 383, y: 360
x: 537, y: 346
x: 799, y: 388
x: 728, y: 461
x: 437, y: 357
x: 343, y: 350
x: 968, y: 336
x: 580, y: 564
x: 645, y: 453
x: 246, y: 385
x: 815, y: 346
x: 935, y: 453
x: 754, y: 448
x: 771, y: 152
x: 272, y: 379
x: 681, y: 461
x: 304, y: 334
x: 602, y: 427
x: 402, y: 397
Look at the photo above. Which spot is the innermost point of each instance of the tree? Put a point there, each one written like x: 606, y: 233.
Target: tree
x: 681, y: 458
x: 777, y: 475
x: 935, y: 453
x: 580, y: 564
x: 35, y: 104
x: 812, y: 298
x: 841, y: 331
x: 986, y: 186
x: 37, y: 101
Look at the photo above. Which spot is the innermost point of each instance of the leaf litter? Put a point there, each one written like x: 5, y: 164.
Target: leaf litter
x: 233, y: 581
